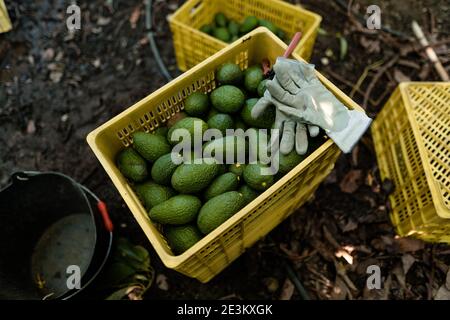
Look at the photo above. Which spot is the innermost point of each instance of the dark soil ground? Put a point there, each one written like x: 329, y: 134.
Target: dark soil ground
x: 56, y: 88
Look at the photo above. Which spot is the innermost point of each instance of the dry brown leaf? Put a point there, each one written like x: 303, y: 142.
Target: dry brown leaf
x: 135, y: 293
x: 378, y: 244
x: 369, y: 179
x: 161, y: 282
x: 447, y: 280
x: 425, y: 71
x: 361, y: 267
x: 97, y: 63
x: 271, y: 284
x: 363, y: 248
x: 349, y: 226
x: 351, y: 181
x: 442, y: 266
x: 442, y: 294
x: 372, y: 46
x: 372, y: 182
x: 287, y: 291
x: 378, y: 294
x: 409, y: 63
x: 340, y: 290
x: 371, y: 294
x: 173, y: 6
x: 407, y: 261
x: 406, y: 49
x: 399, y: 274
x: 400, y: 76
x: 370, y: 200
x: 323, y: 250
x: 386, y: 288
x: 355, y: 154
x: 232, y: 296
x: 331, y: 178
x: 342, y: 253
x: 382, y: 243
x: 103, y: 21
x: 60, y: 55
x: 134, y: 17
x: 327, y: 234
x: 294, y: 256
x: 441, y: 49
x: 48, y: 54
x: 31, y: 127
x: 56, y: 76
x: 53, y: 66
x: 409, y: 244
x: 144, y: 41
x: 388, y: 240
x: 341, y: 271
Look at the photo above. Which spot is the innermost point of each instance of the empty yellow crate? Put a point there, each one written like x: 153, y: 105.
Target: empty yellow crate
x: 193, y: 46
x: 5, y: 23
x: 223, y: 245
x: 412, y: 141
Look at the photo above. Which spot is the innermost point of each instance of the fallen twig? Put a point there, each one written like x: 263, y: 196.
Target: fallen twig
x: 340, y: 270
x: 346, y: 82
x: 430, y: 52
x: 431, y: 277
x: 298, y: 285
x: 435, y: 44
x: 385, y: 93
x: 377, y: 77
x: 408, y: 63
x: 364, y: 76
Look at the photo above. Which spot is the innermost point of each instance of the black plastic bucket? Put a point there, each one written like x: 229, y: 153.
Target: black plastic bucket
x: 53, y: 231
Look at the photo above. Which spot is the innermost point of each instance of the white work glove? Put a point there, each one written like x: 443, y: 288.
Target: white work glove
x: 293, y: 133
x: 300, y: 96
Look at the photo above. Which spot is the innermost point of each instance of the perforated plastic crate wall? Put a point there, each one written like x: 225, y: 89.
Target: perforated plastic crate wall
x: 412, y: 141
x: 193, y: 46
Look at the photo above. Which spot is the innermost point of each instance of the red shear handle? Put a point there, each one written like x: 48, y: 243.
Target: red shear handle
x: 104, y: 212
x: 294, y: 42
x: 268, y: 72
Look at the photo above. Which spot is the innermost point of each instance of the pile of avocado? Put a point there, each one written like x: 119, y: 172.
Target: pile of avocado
x: 192, y: 199
x: 229, y: 30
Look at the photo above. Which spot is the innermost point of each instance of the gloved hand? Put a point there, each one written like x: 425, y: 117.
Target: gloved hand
x: 300, y: 96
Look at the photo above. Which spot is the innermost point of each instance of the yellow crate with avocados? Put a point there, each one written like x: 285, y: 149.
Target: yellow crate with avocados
x: 227, y: 242
x: 411, y: 138
x: 192, y: 46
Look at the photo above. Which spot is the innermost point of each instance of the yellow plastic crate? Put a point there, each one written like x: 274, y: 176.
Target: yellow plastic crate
x: 5, y: 23
x: 223, y: 245
x: 193, y: 46
x: 412, y: 141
